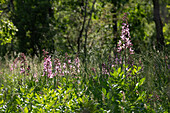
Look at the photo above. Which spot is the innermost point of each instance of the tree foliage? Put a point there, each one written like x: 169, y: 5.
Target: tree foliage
x: 72, y: 25
x: 7, y: 28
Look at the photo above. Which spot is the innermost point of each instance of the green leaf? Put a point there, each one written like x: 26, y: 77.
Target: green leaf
x: 166, y: 111
x: 119, y: 70
x: 139, y: 68
x: 18, y: 101
x: 168, y: 6
x: 25, y: 110
x: 113, y: 99
x: 108, y: 95
x: 31, y: 89
x: 141, y: 96
x: 114, y: 74
x: 31, y: 95
x: 1, y: 102
x: 140, y: 83
x: 80, y: 99
x: 38, y: 97
x: 22, y: 90
x: 132, y: 107
x: 104, y: 91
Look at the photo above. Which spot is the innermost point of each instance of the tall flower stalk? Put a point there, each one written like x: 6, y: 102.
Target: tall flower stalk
x: 48, y: 67
x: 124, y: 44
x: 47, y: 71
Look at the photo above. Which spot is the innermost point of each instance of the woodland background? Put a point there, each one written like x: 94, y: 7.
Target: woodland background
x: 76, y: 56
x: 81, y: 26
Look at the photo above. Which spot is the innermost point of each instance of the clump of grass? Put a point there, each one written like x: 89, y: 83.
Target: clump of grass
x: 156, y: 72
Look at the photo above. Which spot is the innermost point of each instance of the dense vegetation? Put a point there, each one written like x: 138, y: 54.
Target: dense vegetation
x: 84, y: 56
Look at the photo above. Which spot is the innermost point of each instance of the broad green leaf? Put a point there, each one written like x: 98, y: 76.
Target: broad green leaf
x: 166, y: 111
x: 1, y: 102
x: 22, y: 90
x: 38, y: 97
x: 140, y: 83
x: 119, y: 70
x: 104, y: 91
x: 53, y: 95
x: 80, y: 99
x: 168, y: 6
x: 113, y: 99
x: 141, y: 96
x: 139, y: 68
x: 108, y: 95
x: 25, y: 110
x: 31, y: 89
x: 18, y: 101
x: 31, y: 95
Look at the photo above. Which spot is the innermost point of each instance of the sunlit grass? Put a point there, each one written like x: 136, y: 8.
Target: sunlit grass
x: 88, y: 90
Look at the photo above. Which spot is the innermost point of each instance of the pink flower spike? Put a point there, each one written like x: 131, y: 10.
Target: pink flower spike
x: 11, y: 69
x: 22, y: 70
x: 125, y: 41
x: 69, y: 61
x: 119, y: 49
x: 119, y: 43
x: 128, y: 43
x: 123, y: 46
x: 124, y: 24
x: 64, y: 65
x: 35, y: 75
x: 48, y: 67
x: 71, y: 66
x: 131, y: 51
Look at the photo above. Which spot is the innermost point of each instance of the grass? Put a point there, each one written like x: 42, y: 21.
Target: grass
x: 144, y: 87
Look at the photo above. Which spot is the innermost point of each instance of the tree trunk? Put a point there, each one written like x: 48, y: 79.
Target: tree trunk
x: 83, y: 26
x: 86, y: 30
x: 114, y: 17
x: 159, y: 26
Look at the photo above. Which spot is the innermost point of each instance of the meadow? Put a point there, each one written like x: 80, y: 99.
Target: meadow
x: 121, y: 81
x: 63, y: 84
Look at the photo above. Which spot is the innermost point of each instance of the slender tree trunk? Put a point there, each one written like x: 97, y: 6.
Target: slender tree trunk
x: 50, y: 10
x: 84, y: 21
x: 114, y: 17
x: 12, y: 41
x: 86, y: 30
x: 12, y: 4
x: 82, y: 6
x: 115, y: 27
x: 159, y: 26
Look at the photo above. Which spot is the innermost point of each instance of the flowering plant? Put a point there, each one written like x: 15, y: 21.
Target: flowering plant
x: 125, y: 42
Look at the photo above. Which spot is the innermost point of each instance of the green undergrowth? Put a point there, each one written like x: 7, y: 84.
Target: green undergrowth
x: 139, y: 88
